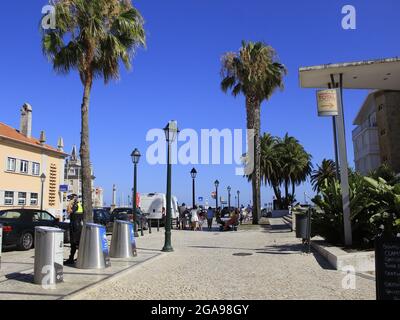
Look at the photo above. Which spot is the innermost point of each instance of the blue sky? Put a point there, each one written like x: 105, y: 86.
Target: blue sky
x: 177, y: 77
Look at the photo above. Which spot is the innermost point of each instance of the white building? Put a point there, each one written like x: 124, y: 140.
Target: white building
x: 366, y: 138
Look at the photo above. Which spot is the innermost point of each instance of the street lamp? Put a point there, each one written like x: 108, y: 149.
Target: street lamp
x: 135, y: 155
x: 171, y: 132
x: 42, y: 180
x: 216, y: 183
x: 193, y: 173
x: 229, y: 197
x: 238, y: 199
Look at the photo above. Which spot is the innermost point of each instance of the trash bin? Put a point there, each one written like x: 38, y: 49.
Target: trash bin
x: 302, y: 225
x: 123, y: 244
x: 93, y: 248
x: 49, y: 255
x: 1, y: 241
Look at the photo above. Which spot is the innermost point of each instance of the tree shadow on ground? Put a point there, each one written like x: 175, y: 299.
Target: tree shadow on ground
x: 287, y: 249
x: 228, y: 248
x: 297, y: 248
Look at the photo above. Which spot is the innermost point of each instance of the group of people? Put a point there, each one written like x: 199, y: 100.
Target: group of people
x: 194, y: 218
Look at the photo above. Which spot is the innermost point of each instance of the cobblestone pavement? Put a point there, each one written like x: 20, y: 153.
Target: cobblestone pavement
x: 256, y: 263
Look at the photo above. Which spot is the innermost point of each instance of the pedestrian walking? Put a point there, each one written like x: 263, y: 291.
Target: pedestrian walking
x: 210, y: 217
x: 194, y: 219
x: 182, y: 216
x: 75, y: 212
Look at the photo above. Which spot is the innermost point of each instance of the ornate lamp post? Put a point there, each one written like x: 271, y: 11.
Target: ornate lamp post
x: 193, y: 173
x: 229, y: 197
x: 171, y: 132
x: 135, y: 155
x: 238, y: 199
x: 216, y: 183
x: 42, y: 180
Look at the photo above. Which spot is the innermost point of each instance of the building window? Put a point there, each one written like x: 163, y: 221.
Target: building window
x: 383, y: 132
x: 34, y: 199
x: 23, y: 168
x: 21, y: 198
x: 8, y: 198
x: 35, y: 168
x: 11, y: 164
x: 380, y: 108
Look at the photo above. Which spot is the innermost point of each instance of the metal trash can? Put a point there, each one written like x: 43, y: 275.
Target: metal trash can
x: 49, y: 256
x: 93, y: 248
x: 1, y: 241
x: 123, y: 244
x: 302, y: 226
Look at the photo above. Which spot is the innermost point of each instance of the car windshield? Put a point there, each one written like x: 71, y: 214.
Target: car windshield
x: 121, y: 210
x: 10, y: 215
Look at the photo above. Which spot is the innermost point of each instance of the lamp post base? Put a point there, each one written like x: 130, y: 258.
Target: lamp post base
x: 167, y: 248
x: 167, y: 244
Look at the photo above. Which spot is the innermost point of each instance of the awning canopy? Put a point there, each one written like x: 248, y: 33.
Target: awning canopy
x: 375, y: 74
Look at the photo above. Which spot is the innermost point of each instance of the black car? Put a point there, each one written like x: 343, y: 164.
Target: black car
x: 125, y: 214
x: 101, y: 216
x: 19, y: 226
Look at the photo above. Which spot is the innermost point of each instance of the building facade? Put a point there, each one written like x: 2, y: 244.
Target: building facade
x: 72, y: 175
x: 24, y: 162
x: 377, y: 135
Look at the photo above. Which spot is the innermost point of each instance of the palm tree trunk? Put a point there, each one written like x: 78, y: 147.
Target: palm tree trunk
x: 278, y: 195
x: 286, y: 193
x: 253, y: 123
x: 86, y: 172
x: 293, y: 190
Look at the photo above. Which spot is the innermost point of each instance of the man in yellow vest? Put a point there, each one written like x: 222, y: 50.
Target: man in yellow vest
x: 75, y: 212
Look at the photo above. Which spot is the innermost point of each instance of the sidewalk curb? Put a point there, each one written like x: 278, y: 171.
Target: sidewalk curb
x: 75, y: 295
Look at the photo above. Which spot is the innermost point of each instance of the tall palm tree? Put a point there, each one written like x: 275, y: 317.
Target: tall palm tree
x: 271, y: 165
x: 255, y: 72
x: 324, y: 172
x: 296, y: 165
x: 92, y: 37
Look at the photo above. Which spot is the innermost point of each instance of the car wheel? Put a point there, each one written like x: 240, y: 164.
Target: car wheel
x: 25, y: 241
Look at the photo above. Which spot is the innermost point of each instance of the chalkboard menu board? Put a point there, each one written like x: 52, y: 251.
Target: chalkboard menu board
x: 387, y: 263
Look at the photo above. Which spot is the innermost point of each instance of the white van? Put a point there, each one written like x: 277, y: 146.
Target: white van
x: 152, y: 204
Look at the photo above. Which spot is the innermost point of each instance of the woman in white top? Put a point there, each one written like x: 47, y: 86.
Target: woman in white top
x: 194, y: 219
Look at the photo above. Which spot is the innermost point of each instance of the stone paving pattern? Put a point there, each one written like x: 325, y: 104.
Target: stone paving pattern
x: 257, y: 262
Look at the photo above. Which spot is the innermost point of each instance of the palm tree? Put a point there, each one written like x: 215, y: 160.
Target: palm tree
x: 271, y: 165
x: 255, y: 72
x: 296, y: 165
x: 324, y: 172
x: 92, y: 37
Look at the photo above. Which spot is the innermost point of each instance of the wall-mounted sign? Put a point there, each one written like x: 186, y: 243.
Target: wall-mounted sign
x: 328, y: 102
x: 63, y: 188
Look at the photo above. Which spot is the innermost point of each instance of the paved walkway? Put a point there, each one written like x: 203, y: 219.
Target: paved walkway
x: 16, y: 276
x: 254, y: 263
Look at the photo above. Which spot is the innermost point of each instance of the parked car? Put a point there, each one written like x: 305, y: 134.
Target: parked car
x: 101, y: 216
x: 125, y: 214
x: 19, y: 226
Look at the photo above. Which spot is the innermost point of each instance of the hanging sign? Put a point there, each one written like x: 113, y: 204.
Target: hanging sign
x: 328, y: 102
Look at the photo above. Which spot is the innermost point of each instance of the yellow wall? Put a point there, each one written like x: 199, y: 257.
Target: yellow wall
x: 17, y: 182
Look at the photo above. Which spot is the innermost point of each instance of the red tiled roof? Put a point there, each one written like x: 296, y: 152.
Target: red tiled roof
x: 13, y: 134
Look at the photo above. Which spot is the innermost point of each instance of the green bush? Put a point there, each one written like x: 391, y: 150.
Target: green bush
x: 374, y: 205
